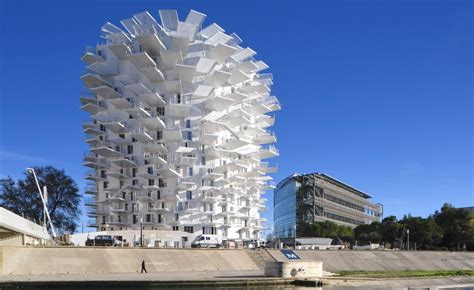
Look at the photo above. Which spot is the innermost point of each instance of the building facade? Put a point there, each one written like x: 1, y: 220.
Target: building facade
x: 304, y: 199
x: 178, y: 130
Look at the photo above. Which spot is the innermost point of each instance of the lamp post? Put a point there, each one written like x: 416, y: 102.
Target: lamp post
x: 294, y: 231
x: 45, y: 209
x: 408, y: 240
x: 141, y: 232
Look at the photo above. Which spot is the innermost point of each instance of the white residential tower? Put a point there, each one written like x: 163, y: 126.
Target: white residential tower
x: 178, y: 130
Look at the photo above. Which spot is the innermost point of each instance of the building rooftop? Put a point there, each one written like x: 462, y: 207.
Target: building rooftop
x: 330, y: 179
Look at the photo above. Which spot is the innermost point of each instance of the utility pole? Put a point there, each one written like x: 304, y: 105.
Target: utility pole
x: 408, y: 240
x: 141, y: 232
x: 32, y: 171
x: 295, y: 236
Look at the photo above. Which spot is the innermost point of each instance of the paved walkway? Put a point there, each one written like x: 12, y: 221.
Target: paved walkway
x: 162, y: 276
x: 396, y: 283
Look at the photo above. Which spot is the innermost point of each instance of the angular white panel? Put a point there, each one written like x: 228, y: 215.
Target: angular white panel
x: 244, y: 54
x: 195, y: 18
x: 218, y: 38
x: 205, y: 65
x: 211, y: 30
x: 169, y: 19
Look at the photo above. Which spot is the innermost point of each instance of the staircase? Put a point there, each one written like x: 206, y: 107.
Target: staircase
x: 260, y: 257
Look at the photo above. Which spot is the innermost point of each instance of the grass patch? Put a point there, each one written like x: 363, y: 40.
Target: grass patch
x: 407, y: 273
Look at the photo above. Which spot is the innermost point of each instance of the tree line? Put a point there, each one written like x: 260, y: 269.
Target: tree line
x: 449, y: 228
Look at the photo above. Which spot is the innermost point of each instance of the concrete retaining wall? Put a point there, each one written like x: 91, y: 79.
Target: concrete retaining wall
x: 334, y: 261
x: 294, y: 269
x: 25, y: 260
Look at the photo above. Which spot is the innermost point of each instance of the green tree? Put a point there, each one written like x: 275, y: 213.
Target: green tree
x: 369, y: 232
x: 392, y: 231
x: 22, y: 197
x: 424, y: 232
x: 328, y: 229
x: 457, y: 225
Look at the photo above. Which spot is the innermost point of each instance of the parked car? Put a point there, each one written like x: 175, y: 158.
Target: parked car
x: 207, y: 241
x: 101, y: 240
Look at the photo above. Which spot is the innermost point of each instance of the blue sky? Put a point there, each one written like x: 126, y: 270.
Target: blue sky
x: 378, y: 94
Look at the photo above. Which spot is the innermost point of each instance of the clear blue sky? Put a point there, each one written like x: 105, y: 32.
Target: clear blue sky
x: 378, y: 94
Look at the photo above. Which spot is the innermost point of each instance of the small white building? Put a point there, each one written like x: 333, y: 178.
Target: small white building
x: 18, y: 231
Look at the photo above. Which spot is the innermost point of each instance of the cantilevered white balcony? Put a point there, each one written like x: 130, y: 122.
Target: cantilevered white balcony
x: 155, y: 148
x: 153, y: 74
x: 169, y: 171
x: 186, y: 160
x: 145, y: 196
x: 92, y: 106
x: 173, y: 134
x: 266, y: 138
x: 117, y: 140
x: 168, y: 58
x: 124, y: 162
x: 268, y: 152
x: 185, y: 73
x: 116, y: 127
x: 208, y: 138
x: 155, y: 158
x: 160, y: 209
x: 152, y: 43
x: 221, y: 52
x: 138, y: 112
x: 92, y: 80
x: 142, y: 136
x: 153, y: 123
x: 95, y: 162
x: 179, y: 108
x: 105, y: 151
x: 152, y: 99
x: 91, y: 189
x: 266, y: 168
x: 92, y: 129
x: 121, y: 103
x: 93, y: 175
x: 210, y: 197
x: 120, y: 50
x: 106, y: 92
x: 218, y: 103
x: 91, y: 56
x: 141, y: 60
x: 118, y: 175
x: 186, y: 183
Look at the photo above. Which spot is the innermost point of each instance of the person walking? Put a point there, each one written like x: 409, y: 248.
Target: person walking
x: 143, y: 267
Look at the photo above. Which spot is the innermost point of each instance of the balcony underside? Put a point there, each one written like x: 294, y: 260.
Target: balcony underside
x: 106, y: 92
x: 179, y: 110
x: 119, y: 50
x: 152, y: 123
x: 106, y: 152
x: 152, y: 99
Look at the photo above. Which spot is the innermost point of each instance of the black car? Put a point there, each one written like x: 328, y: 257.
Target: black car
x: 102, y: 240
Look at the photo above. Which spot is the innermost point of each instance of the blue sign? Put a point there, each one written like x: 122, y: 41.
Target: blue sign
x: 289, y: 254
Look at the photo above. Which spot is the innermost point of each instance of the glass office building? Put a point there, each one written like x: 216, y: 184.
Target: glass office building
x: 304, y: 199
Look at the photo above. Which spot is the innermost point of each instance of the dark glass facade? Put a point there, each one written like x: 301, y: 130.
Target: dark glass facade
x: 284, y: 209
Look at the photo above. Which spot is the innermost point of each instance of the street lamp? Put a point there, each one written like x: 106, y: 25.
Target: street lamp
x: 294, y: 231
x: 141, y: 232
x: 45, y: 209
x: 408, y: 240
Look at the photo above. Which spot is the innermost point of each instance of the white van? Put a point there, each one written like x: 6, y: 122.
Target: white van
x: 207, y: 241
